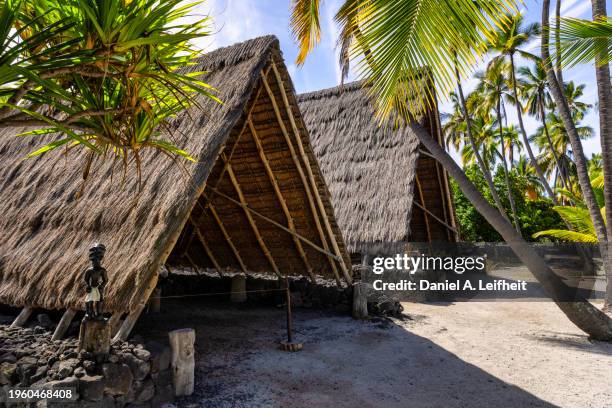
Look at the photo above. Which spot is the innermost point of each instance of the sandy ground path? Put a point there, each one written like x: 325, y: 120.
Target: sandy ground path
x: 456, y: 355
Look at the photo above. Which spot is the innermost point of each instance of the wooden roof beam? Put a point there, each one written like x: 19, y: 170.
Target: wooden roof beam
x: 279, y: 196
x: 311, y: 177
x: 262, y: 244
x: 207, y: 249
x: 422, y: 198
x: 298, y: 166
x: 226, y: 235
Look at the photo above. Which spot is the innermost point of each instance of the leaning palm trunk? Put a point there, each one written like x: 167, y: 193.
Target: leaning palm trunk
x: 604, y: 93
x: 583, y: 314
x: 506, y: 176
x: 519, y: 112
x: 485, y: 170
x: 568, y: 123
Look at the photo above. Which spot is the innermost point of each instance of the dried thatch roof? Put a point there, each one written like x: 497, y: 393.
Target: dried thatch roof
x: 45, y: 230
x: 372, y: 170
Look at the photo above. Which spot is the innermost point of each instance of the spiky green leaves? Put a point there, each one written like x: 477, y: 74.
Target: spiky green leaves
x: 584, y: 41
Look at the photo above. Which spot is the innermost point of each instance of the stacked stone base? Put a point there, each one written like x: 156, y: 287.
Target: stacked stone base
x: 130, y: 376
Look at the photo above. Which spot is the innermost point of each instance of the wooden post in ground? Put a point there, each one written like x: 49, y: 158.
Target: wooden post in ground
x: 238, y: 294
x: 155, y: 301
x: 94, y: 336
x: 23, y: 317
x: 63, y: 324
x: 183, y: 360
x: 360, y: 300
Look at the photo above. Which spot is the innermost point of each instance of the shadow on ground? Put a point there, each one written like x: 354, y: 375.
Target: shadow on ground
x: 344, y: 363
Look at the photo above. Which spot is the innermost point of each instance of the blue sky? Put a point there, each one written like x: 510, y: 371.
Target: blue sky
x: 239, y: 20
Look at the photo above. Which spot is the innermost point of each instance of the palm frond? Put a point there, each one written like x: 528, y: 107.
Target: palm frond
x: 566, y: 235
x: 305, y: 26
x: 584, y: 41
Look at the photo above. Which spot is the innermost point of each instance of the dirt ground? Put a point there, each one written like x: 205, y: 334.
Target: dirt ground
x: 472, y: 354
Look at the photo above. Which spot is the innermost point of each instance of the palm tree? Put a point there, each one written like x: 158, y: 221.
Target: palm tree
x: 492, y: 86
x: 588, y: 42
x: 526, y: 172
x: 393, y: 39
x: 577, y: 108
x: 578, y: 218
x: 507, y: 43
x: 459, y: 131
x: 534, y: 90
x: 563, y: 109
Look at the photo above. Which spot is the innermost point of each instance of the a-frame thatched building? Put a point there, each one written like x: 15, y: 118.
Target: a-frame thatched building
x: 385, y: 188
x: 254, y: 201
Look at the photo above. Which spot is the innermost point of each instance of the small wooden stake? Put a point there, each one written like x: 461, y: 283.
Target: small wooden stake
x: 238, y: 294
x: 183, y: 360
x: 360, y: 301
x: 23, y: 317
x: 289, y: 345
x: 63, y: 324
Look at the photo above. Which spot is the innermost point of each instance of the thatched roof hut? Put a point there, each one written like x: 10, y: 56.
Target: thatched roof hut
x: 255, y: 200
x: 384, y: 189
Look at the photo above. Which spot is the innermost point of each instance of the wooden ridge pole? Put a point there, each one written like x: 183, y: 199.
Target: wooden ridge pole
x: 262, y: 244
x: 279, y: 196
x: 209, y: 252
x: 298, y: 166
x: 330, y: 231
x: 226, y: 235
x: 425, y: 213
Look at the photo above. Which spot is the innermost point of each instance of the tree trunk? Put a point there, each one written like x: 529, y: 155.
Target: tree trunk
x: 604, y: 94
x: 485, y: 170
x: 506, y: 175
x: 552, y: 147
x: 583, y: 314
x: 558, y: 69
x: 566, y: 117
x: 519, y: 112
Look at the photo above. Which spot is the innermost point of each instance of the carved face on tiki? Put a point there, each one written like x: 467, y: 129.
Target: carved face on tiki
x: 96, y: 254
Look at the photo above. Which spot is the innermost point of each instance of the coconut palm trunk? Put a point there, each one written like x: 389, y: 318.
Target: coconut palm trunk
x: 583, y: 314
x: 566, y: 116
x: 519, y: 112
x: 468, y: 124
x: 564, y: 182
x: 604, y: 94
x: 506, y: 170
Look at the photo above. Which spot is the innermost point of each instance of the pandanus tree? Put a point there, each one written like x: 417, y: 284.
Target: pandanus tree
x: 508, y: 41
x: 104, y: 75
x: 391, y: 40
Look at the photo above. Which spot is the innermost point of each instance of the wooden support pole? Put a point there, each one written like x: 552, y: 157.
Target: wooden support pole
x: 114, y: 322
x: 422, y: 198
x: 207, y: 249
x: 238, y: 292
x: 304, y: 156
x: 227, y: 236
x: 130, y: 321
x: 281, y: 199
x: 183, y: 361
x: 262, y: 244
x: 360, y: 300
x: 63, y: 324
x: 155, y: 301
x: 23, y: 317
x: 298, y: 166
